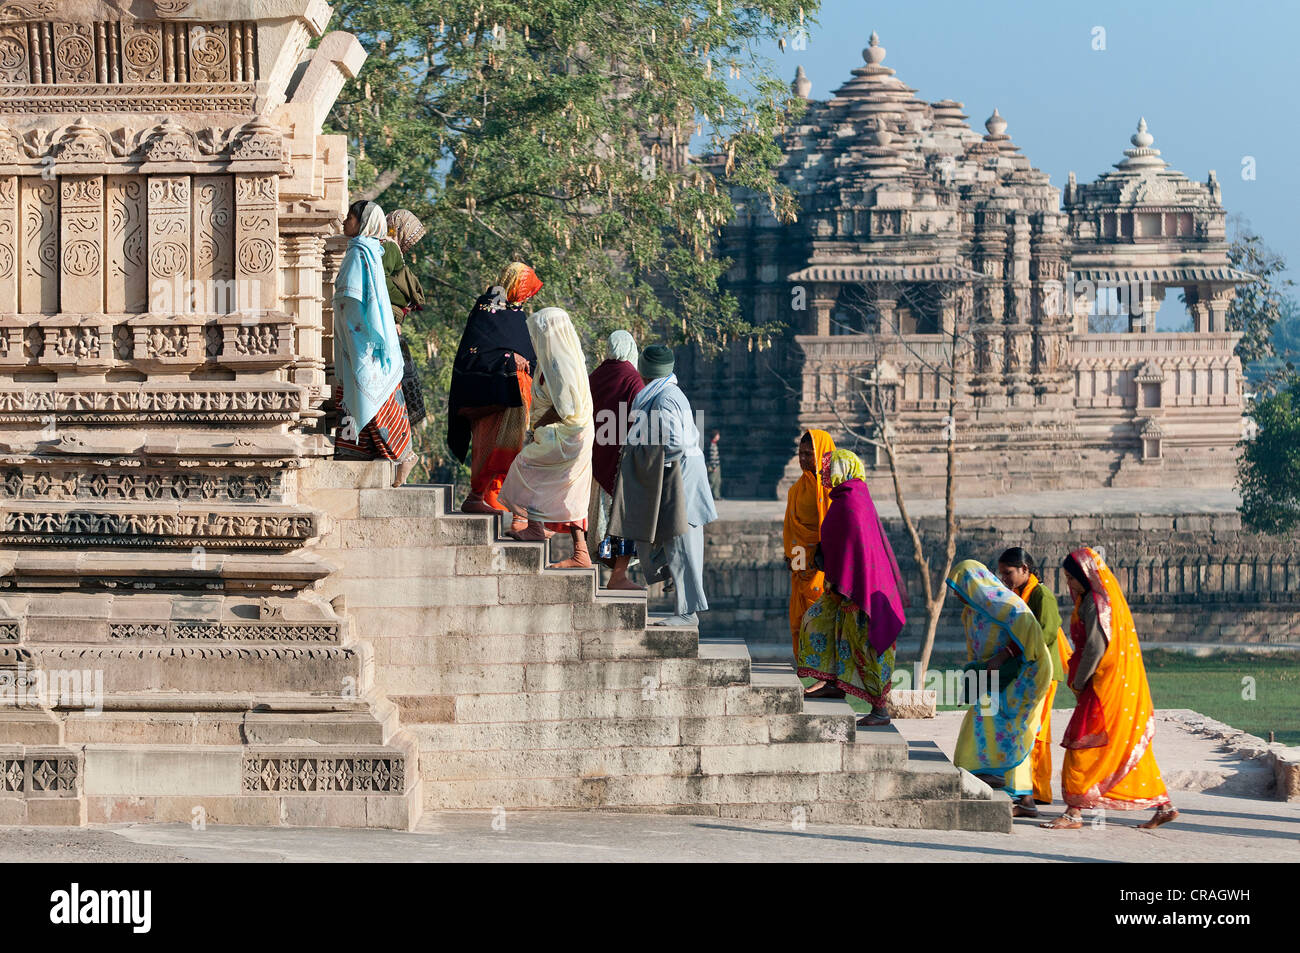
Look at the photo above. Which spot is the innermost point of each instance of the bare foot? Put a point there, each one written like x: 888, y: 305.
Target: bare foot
x: 402, y: 471
x: 478, y: 506
x: 1066, y: 822
x: 532, y: 533
x: 624, y: 583
x: 1163, y: 816
x: 573, y: 562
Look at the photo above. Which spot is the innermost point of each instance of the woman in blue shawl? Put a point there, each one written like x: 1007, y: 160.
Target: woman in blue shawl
x: 367, y: 351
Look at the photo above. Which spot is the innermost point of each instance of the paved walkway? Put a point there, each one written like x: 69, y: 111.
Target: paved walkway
x: 1156, y: 501
x: 1216, y: 823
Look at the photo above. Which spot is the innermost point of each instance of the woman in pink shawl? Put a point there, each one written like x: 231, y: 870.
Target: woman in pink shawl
x: 847, y: 636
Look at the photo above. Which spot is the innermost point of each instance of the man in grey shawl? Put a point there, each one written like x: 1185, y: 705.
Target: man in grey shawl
x: 663, y: 500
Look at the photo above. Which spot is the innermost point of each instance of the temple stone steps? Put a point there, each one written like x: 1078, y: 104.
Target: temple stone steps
x: 528, y: 688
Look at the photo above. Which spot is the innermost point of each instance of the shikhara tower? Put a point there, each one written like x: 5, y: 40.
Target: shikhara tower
x: 914, y: 225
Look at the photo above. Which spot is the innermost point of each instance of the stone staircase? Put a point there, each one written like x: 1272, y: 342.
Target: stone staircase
x: 526, y: 688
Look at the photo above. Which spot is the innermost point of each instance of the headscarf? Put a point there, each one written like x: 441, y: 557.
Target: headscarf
x: 839, y: 466
x: 983, y: 593
x: 858, y: 560
x: 995, y: 617
x: 373, y: 223
x: 614, y: 386
x: 405, y: 229
x: 622, y: 347
x: 809, y: 484
x: 519, y: 282
x: 561, y: 365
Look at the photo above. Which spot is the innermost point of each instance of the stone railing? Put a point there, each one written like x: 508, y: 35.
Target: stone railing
x: 1196, y: 578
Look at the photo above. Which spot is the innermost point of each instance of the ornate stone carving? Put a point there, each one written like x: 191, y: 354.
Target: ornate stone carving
x: 121, y: 485
x: 37, y: 776
x: 170, y: 142
x: 337, y: 775
x: 131, y: 529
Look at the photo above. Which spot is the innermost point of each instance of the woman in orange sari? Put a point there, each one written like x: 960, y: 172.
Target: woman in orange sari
x: 492, y: 385
x: 1108, y: 757
x: 805, y: 508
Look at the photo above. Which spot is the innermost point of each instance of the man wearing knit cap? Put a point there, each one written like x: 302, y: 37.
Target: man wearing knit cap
x: 663, y: 499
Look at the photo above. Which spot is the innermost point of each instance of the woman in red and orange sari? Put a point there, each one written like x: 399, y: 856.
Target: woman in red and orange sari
x: 1109, y: 761
x: 805, y: 508
x: 492, y: 386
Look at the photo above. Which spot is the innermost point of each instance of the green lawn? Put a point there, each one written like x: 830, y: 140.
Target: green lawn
x: 1213, y: 686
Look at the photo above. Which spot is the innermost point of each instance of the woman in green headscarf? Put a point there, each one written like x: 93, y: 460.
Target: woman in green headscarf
x: 1011, y: 669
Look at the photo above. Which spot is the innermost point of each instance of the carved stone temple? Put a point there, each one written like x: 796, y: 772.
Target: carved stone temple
x: 165, y: 201
x: 914, y: 225
x: 205, y: 619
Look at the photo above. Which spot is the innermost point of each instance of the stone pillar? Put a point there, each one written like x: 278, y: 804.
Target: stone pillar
x: 887, y: 313
x: 256, y: 276
x: 334, y: 250
x: 1220, y: 299
x: 303, y: 257
x: 168, y: 241
x: 823, y: 303
x: 1150, y: 301
x: 81, y: 277
x: 1198, y: 305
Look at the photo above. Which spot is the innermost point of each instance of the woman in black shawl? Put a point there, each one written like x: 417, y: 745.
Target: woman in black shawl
x: 491, y: 386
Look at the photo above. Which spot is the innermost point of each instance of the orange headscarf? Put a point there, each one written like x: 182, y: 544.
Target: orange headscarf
x: 1121, y: 771
x: 519, y: 282
x: 803, y: 531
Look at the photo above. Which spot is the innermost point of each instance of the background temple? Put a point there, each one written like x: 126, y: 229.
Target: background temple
x: 913, y: 227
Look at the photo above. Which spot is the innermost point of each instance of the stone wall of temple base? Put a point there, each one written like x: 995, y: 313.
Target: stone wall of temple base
x: 1195, y: 578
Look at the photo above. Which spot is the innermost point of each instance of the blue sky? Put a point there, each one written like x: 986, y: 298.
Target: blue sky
x: 1217, y: 82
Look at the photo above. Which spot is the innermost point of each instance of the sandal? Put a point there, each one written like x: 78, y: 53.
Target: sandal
x: 873, y: 721
x: 826, y: 691
x: 1063, y: 823
x: 1162, y: 817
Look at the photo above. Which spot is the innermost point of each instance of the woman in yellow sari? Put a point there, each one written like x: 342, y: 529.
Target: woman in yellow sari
x: 1109, y: 761
x: 805, y: 508
x: 1003, y: 639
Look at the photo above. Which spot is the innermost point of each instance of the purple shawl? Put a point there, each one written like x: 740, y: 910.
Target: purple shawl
x: 614, y: 383
x: 860, y: 563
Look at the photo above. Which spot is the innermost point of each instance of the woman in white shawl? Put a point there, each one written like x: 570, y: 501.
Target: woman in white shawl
x: 549, y: 483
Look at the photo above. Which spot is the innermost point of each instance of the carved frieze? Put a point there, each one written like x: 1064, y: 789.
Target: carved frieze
x: 156, y: 403
x: 221, y: 530
x: 337, y: 775
x: 324, y: 633
x: 125, y: 52
x: 118, y: 485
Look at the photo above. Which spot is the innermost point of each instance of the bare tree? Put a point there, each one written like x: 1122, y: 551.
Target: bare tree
x: 877, y: 401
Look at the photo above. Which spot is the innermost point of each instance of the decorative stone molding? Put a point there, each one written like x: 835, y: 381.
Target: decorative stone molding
x: 33, y: 776
x: 336, y: 775
x: 317, y: 632
x: 119, y: 485
x: 216, y: 529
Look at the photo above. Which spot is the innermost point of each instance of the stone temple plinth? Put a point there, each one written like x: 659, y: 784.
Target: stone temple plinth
x: 165, y: 200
